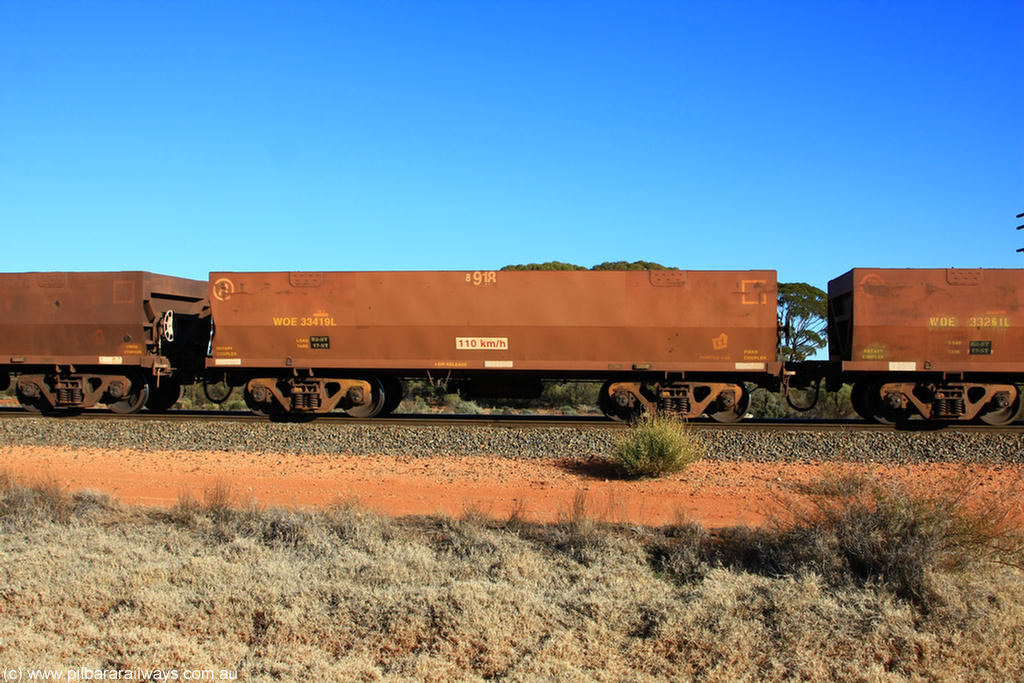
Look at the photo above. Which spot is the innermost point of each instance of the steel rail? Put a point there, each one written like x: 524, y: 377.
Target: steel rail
x: 518, y: 421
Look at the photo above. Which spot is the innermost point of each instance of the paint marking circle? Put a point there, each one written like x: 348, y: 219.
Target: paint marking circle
x: 223, y: 289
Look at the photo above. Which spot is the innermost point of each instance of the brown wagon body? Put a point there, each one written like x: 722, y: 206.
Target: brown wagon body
x: 73, y: 339
x: 621, y: 325
x: 942, y: 342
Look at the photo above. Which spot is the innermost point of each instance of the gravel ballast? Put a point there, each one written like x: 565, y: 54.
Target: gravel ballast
x: 319, y: 438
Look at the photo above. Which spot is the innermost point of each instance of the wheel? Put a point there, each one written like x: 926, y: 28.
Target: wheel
x: 136, y: 397
x: 33, y: 404
x: 217, y: 398
x: 606, y: 404
x: 162, y: 397
x: 610, y: 407
x: 376, y: 404
x: 1002, y: 416
x: 880, y: 410
x: 859, y: 400
x: 393, y: 394
x: 736, y: 411
x: 266, y: 409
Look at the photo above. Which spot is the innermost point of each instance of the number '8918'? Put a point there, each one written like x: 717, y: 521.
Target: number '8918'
x: 479, y: 277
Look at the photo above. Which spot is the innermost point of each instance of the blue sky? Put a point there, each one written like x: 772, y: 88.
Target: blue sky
x: 809, y: 137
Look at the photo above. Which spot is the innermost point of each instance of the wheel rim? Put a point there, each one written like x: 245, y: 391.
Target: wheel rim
x: 614, y: 411
x: 37, y: 404
x: 134, y: 400
x: 606, y: 404
x: 735, y: 412
x: 162, y: 397
x: 265, y: 409
x: 881, y: 412
x: 392, y: 394
x: 859, y: 400
x: 376, y: 404
x: 1002, y: 416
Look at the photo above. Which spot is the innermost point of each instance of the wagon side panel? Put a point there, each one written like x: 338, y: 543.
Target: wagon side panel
x: 572, y: 321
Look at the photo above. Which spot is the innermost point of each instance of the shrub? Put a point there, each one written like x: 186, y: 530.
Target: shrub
x: 461, y: 406
x: 415, y: 404
x: 872, y: 531
x: 656, y: 446
x: 575, y: 394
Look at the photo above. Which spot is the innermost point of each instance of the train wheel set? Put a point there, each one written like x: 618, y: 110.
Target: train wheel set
x: 721, y: 401
x: 889, y: 402
x: 915, y: 344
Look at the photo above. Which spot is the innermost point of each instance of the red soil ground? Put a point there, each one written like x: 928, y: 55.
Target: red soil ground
x: 710, y: 492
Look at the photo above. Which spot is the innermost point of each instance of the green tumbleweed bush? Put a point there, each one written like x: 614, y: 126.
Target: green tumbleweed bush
x: 656, y: 446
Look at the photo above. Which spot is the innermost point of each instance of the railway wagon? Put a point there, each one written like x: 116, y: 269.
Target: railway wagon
x: 943, y: 344
x: 677, y: 341
x: 127, y: 339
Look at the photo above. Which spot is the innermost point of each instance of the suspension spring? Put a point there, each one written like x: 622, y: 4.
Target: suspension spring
x: 948, y: 407
x: 677, y: 404
x: 69, y: 396
x: 305, y: 398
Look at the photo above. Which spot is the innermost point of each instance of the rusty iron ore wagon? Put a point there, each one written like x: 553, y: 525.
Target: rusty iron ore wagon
x: 126, y: 339
x: 682, y: 342
x: 942, y: 344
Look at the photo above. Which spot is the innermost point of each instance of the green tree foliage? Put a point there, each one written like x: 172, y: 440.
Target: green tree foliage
x: 547, y: 265
x: 626, y: 265
x: 830, y: 405
x: 803, y: 311
x: 607, y: 265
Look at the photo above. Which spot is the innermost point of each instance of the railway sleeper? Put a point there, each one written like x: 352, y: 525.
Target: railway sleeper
x: 960, y: 401
x: 306, y: 395
x: 123, y: 393
x: 721, y: 401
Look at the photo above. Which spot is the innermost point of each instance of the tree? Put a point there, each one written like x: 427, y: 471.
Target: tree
x: 547, y: 265
x: 626, y: 265
x: 607, y: 265
x: 803, y: 312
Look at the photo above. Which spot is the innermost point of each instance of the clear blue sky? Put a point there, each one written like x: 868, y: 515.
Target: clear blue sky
x: 809, y: 137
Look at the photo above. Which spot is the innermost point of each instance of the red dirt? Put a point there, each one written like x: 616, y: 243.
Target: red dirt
x: 713, y: 493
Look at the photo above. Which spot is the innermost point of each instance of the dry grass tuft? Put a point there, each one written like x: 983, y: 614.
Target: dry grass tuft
x: 186, y: 509
x: 218, y: 499
x: 40, y: 500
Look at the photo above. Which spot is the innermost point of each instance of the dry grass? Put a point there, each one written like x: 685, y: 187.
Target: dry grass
x: 855, y: 525
x: 348, y: 595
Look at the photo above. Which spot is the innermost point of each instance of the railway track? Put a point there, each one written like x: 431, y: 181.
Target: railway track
x: 517, y: 421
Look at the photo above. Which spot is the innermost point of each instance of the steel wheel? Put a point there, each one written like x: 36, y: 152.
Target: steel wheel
x: 392, y: 394
x: 1002, y: 416
x: 266, y: 409
x: 881, y: 411
x: 613, y: 410
x: 162, y: 397
x: 606, y: 404
x: 33, y: 404
x: 136, y: 397
x: 736, y: 411
x: 376, y: 404
x: 859, y: 400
